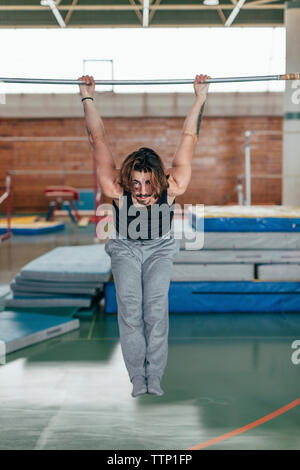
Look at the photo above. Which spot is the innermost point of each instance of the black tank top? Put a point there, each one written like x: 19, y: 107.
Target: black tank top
x: 146, y: 222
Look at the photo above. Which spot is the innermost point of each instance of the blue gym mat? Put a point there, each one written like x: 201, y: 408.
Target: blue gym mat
x: 35, y: 229
x: 69, y: 276
x: 4, y: 290
x: 71, y: 264
x: 52, y: 284
x: 218, y: 297
x: 19, y: 330
x: 21, y: 289
x: 237, y: 256
x: 53, y: 301
x: 245, y: 219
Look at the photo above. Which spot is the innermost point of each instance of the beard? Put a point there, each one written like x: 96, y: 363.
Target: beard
x: 143, y: 198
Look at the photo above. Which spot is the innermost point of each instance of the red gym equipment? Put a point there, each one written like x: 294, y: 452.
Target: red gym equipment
x: 58, y: 195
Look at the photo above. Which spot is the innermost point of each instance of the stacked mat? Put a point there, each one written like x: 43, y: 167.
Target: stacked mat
x: 70, y: 276
x: 245, y: 250
x: 245, y: 218
x: 234, y: 259
x: 269, y: 235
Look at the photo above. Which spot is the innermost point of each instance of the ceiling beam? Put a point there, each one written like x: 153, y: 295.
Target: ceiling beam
x: 138, y: 13
x: 264, y: 2
x: 158, y: 25
x: 255, y: 5
x: 234, y: 13
x: 146, y: 13
x: 69, y: 14
x: 52, y: 6
x: 152, y: 12
x: 221, y: 15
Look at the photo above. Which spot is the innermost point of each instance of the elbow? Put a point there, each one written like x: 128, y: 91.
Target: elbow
x: 95, y: 138
x: 107, y: 189
x: 181, y: 189
x: 183, y: 183
x: 91, y: 140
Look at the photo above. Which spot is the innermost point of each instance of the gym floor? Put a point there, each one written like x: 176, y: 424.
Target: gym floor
x: 224, y: 372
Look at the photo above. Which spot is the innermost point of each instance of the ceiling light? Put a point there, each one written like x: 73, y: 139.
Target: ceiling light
x: 211, y: 3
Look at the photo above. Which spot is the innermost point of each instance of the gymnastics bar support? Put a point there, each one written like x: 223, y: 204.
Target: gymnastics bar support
x: 7, y: 196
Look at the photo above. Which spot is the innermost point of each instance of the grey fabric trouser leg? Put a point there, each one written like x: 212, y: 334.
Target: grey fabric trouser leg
x: 141, y: 271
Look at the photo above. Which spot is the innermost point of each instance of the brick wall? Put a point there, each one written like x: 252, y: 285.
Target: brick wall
x: 217, y: 162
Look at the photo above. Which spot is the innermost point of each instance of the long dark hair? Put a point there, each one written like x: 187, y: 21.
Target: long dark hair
x: 144, y: 159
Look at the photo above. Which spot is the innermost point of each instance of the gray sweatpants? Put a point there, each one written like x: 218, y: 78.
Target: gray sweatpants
x: 141, y: 271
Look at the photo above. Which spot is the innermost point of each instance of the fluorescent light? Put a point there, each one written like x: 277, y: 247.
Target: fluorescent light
x: 211, y: 3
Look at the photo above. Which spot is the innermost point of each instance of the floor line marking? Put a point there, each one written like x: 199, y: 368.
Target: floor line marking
x: 92, y: 326
x: 252, y: 425
x: 204, y: 337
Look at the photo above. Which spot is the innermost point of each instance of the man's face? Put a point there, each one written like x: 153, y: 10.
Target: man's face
x: 142, y: 188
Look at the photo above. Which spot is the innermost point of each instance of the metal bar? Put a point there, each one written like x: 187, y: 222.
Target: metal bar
x: 247, y: 169
x: 259, y: 133
x: 53, y: 8
x: 3, y: 197
x: 53, y: 81
x: 145, y: 13
x: 234, y: 13
x: 7, y: 196
x: 43, y: 139
x: 70, y: 12
x: 51, y: 172
x: 8, y: 210
x: 263, y: 176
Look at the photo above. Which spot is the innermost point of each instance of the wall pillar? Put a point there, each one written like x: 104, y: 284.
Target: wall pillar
x: 291, y: 122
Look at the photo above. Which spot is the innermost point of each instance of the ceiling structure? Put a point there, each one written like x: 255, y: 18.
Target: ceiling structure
x: 140, y: 13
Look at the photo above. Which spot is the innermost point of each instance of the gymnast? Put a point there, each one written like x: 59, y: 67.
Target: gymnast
x: 143, y: 248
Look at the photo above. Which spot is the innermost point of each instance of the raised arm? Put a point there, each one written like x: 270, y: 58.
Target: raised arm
x: 180, y: 173
x: 106, y: 167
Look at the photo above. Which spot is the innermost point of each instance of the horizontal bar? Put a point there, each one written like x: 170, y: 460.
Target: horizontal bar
x: 43, y: 139
x: 50, y: 172
x: 260, y: 133
x: 52, y: 81
x: 263, y: 176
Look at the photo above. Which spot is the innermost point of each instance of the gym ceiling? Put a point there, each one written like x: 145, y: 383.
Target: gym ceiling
x: 140, y: 13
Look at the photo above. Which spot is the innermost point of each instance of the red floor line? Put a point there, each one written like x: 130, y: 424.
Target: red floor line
x: 252, y: 425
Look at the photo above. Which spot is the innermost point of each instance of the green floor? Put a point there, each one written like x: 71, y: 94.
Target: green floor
x: 224, y: 371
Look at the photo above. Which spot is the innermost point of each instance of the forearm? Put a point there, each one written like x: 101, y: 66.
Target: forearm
x: 93, y: 121
x: 185, y: 150
x: 190, y: 123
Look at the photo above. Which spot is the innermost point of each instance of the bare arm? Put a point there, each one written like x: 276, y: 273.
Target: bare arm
x: 107, y: 172
x: 180, y: 173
